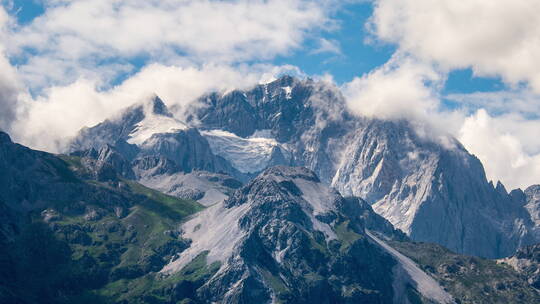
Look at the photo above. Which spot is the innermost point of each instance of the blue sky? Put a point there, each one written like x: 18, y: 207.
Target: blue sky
x: 26, y: 10
x: 357, y: 55
x: 475, y: 78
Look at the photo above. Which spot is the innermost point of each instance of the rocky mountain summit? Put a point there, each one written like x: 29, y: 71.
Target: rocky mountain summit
x: 286, y: 237
x: 146, y: 143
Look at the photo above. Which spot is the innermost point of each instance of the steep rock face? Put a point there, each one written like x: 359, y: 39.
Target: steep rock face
x: 286, y: 237
x: 148, y: 166
x: 188, y: 149
x: 431, y: 192
x: 266, y: 107
x: 105, y: 164
x: 532, y: 199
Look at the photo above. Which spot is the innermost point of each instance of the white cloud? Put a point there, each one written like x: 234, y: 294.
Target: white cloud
x: 9, y: 90
x: 495, y: 37
x: 327, y: 46
x: 9, y: 83
x: 229, y: 29
x: 57, y: 115
x: 507, y: 146
x: 75, y: 38
x: 401, y: 88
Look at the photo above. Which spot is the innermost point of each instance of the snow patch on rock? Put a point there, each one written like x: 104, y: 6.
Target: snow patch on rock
x: 247, y: 155
x: 288, y: 91
x: 154, y: 124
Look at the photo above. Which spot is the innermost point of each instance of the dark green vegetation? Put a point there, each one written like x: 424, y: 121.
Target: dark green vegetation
x: 65, y: 238
x: 470, y: 279
x: 78, y: 260
x: 37, y: 268
x: 155, y: 288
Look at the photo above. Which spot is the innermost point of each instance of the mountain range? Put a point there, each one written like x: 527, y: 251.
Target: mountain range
x: 276, y: 194
x: 430, y: 188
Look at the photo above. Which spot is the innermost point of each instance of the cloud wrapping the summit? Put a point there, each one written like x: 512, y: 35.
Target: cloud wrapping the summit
x: 83, y: 104
x: 402, y: 88
x: 70, y: 56
x: 494, y: 38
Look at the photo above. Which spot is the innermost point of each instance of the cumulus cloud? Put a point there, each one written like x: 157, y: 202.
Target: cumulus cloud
x: 495, y: 38
x: 9, y: 84
x: 80, y: 37
x: 327, y: 46
x: 9, y: 92
x: 503, y: 131
x: 401, y: 88
x: 507, y: 145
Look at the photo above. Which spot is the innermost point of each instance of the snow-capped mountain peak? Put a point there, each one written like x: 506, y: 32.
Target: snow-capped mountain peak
x: 134, y: 124
x: 157, y: 119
